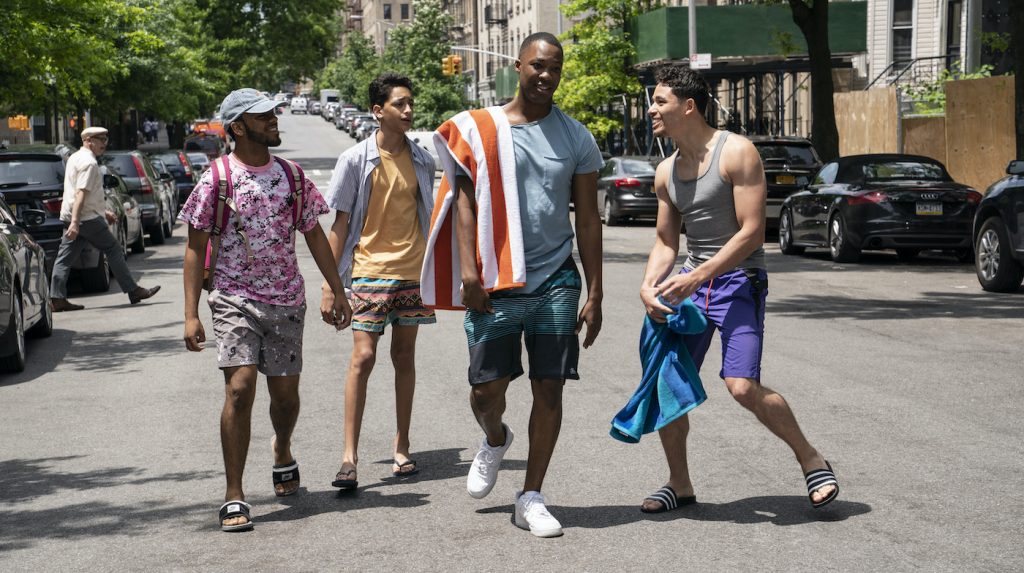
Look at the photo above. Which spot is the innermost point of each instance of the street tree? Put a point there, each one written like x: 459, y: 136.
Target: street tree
x: 598, y: 62
x: 264, y: 43
x: 416, y: 49
x: 351, y: 73
x: 811, y: 16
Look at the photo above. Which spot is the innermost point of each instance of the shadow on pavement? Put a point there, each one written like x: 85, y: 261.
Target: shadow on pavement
x: 927, y: 305
x: 440, y: 465
x: 308, y: 504
x: 873, y: 261
x: 23, y: 480
x: 777, y: 510
x: 44, y: 354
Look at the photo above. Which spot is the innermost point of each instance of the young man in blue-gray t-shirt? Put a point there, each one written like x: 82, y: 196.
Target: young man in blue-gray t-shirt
x: 556, y: 160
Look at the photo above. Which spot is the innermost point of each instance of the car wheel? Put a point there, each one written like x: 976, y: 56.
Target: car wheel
x: 786, y: 236
x: 838, y: 241
x: 907, y: 254
x: 168, y: 228
x: 15, y: 362
x: 139, y: 246
x: 97, y: 279
x: 609, y: 218
x: 997, y: 270
x: 123, y: 238
x: 156, y: 233
x: 44, y: 327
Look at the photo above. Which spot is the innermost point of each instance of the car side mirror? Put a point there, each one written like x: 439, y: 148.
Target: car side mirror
x: 109, y: 181
x: 33, y: 217
x: 1016, y: 167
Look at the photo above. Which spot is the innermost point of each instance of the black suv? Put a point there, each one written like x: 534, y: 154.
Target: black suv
x: 789, y: 163
x: 35, y: 180
x: 998, y: 236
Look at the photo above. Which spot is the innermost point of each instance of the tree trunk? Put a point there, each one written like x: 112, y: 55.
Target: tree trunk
x: 1017, y: 45
x: 813, y: 22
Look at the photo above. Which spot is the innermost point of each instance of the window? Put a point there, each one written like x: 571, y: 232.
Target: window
x: 902, y: 30
x: 827, y: 175
x: 387, y: 11
x: 405, y: 11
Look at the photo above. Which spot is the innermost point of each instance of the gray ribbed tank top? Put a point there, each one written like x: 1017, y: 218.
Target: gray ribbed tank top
x: 708, y: 211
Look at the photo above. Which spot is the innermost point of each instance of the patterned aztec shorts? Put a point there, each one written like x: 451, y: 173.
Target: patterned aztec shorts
x: 377, y: 303
x: 251, y: 332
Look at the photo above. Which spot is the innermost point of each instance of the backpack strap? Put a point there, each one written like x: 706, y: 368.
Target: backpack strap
x: 222, y: 183
x: 297, y: 183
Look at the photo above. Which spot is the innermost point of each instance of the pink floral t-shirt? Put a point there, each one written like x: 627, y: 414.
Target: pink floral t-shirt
x: 264, y: 212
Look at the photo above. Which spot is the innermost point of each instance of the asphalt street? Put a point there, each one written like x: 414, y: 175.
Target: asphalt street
x: 906, y: 376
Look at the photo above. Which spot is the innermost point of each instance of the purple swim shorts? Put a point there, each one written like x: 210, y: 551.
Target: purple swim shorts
x: 735, y: 306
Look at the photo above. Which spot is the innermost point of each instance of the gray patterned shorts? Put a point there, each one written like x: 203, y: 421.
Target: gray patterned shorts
x: 252, y: 332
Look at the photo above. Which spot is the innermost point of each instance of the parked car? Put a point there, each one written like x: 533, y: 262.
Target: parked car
x: 366, y: 128
x: 330, y: 110
x: 885, y: 201
x: 356, y: 121
x: 212, y: 145
x: 24, y: 287
x: 789, y: 163
x: 185, y: 174
x: 425, y: 140
x: 145, y: 186
x: 998, y: 236
x: 167, y: 180
x: 91, y: 268
x: 35, y: 181
x: 313, y: 108
x: 625, y: 189
x: 200, y: 163
x: 299, y: 104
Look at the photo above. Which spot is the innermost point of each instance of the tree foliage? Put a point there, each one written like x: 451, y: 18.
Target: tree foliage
x: 415, y: 50
x: 598, y: 61
x: 172, y: 58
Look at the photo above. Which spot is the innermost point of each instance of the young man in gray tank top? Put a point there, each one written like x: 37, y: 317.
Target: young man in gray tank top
x: 714, y: 184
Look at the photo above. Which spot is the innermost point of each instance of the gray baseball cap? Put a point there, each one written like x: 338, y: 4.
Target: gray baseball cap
x: 246, y: 100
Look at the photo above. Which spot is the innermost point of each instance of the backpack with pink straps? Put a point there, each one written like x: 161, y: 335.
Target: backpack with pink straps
x: 221, y: 172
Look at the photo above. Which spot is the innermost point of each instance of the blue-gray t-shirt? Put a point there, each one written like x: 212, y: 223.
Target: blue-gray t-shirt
x: 548, y: 153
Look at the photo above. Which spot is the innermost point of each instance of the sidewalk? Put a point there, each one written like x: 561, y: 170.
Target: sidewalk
x: 161, y: 143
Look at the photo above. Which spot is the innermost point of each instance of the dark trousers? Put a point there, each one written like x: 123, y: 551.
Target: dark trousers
x: 96, y: 233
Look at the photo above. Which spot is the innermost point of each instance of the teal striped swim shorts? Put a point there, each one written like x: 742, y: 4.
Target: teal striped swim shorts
x: 547, y: 317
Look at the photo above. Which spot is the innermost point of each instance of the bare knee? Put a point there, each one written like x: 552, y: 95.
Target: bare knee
x: 403, y: 356
x: 488, y: 396
x: 746, y: 391
x: 547, y: 394
x: 284, y: 393
x: 239, y: 389
x: 363, y: 357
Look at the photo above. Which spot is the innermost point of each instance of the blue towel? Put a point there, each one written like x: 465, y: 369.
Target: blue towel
x: 671, y: 385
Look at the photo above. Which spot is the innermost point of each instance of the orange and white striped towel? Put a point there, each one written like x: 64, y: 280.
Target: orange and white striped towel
x: 477, y: 142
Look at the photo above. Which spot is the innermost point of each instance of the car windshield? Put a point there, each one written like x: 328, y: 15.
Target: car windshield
x: 788, y: 154
x: 637, y: 168
x: 32, y: 172
x: 896, y: 170
x: 123, y: 164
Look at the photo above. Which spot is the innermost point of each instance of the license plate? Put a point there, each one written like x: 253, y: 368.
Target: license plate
x: 929, y: 208
x: 785, y: 179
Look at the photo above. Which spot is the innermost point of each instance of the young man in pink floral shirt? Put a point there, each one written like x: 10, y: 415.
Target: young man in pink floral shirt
x: 258, y: 298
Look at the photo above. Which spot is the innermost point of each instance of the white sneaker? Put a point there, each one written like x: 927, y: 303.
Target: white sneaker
x: 483, y: 474
x: 531, y: 514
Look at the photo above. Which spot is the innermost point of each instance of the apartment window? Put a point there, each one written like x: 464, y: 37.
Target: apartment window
x: 387, y: 11
x: 902, y: 30
x: 405, y: 11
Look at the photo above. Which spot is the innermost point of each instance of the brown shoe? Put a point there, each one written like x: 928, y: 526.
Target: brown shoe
x: 62, y: 305
x: 140, y: 293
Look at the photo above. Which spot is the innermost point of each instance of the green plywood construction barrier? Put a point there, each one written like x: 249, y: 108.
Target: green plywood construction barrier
x: 751, y: 30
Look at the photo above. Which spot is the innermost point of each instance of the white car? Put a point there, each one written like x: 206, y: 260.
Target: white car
x: 299, y: 104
